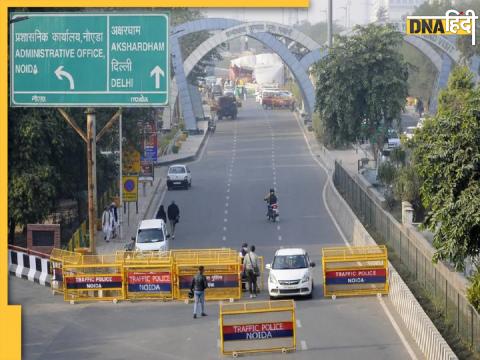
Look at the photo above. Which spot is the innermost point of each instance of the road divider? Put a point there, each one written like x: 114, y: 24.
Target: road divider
x: 263, y: 326
x: 358, y: 270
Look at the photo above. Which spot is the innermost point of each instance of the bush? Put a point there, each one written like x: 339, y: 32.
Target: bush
x: 473, y: 291
x: 398, y: 156
x: 386, y: 173
x: 175, y: 149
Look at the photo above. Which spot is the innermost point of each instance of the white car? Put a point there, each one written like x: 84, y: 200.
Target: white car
x: 290, y: 274
x: 152, y: 235
x: 179, y: 175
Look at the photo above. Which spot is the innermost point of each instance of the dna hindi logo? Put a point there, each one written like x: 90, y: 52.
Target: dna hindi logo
x: 453, y: 23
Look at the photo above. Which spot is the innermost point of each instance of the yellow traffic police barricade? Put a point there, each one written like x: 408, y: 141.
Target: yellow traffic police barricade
x: 147, y: 274
x: 263, y: 326
x: 356, y: 270
x: 222, y: 269
x: 57, y: 257
x: 93, y: 277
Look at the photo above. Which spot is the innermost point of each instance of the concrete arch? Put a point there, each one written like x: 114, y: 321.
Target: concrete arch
x: 231, y: 29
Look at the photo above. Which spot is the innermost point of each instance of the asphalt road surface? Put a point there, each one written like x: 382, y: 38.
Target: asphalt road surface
x: 224, y: 208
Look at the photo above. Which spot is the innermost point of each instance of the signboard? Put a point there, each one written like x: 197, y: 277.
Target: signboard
x: 130, y: 188
x: 149, y: 141
x: 214, y: 281
x: 367, y: 276
x: 131, y: 161
x: 88, y: 59
x: 149, y: 282
x: 263, y: 331
x: 146, y: 172
x: 113, y: 281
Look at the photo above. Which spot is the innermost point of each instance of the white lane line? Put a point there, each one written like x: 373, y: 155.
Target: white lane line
x: 397, y: 329
x: 228, y: 190
x: 226, y: 204
x: 224, y: 228
x: 299, y: 324
x: 226, y: 212
x: 278, y: 227
x: 339, y: 229
x: 303, y: 345
x: 225, y: 220
x: 279, y: 237
x: 224, y: 238
x: 218, y: 343
x: 227, y: 197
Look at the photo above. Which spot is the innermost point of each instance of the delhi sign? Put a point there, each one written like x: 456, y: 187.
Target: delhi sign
x: 89, y: 59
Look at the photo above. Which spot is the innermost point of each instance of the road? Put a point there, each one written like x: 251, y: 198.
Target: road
x: 224, y: 208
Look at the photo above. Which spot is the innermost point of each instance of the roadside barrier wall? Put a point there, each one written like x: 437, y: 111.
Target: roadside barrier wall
x: 357, y: 270
x: 263, y: 326
x: 30, y: 265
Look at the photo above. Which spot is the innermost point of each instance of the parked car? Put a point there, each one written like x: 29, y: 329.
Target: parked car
x: 152, y: 235
x: 290, y: 273
x: 393, y: 140
x: 179, y: 176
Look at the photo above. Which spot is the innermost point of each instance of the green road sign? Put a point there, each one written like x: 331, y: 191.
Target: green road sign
x: 89, y: 59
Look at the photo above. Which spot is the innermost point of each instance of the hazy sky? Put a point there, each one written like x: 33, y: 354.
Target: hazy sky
x: 315, y: 13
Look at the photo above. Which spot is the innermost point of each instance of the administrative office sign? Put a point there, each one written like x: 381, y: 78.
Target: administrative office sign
x: 89, y: 59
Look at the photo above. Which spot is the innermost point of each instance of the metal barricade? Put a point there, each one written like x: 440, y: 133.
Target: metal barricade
x: 147, y: 275
x: 57, y: 257
x: 93, y: 277
x: 222, y: 269
x: 358, y: 270
x: 263, y: 326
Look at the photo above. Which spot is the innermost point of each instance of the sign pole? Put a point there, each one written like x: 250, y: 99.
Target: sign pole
x: 120, y: 182
x: 330, y: 24
x: 92, y: 178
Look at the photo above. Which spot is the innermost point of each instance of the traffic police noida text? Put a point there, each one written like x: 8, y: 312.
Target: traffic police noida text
x: 257, y: 331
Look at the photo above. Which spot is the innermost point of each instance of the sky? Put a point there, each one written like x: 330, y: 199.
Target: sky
x: 315, y: 13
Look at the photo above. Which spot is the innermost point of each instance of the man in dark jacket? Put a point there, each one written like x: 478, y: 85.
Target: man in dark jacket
x: 161, y: 214
x: 199, y: 284
x: 173, y: 213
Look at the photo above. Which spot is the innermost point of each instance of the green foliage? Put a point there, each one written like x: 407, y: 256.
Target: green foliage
x: 447, y: 156
x: 386, y: 173
x: 473, y: 291
x: 398, y: 156
x: 361, y: 85
x: 407, y: 186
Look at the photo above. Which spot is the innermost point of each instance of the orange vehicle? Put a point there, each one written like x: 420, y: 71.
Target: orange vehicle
x: 277, y: 99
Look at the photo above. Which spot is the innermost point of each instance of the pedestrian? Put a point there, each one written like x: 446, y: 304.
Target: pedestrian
x: 114, y: 219
x: 106, y: 224
x: 242, y: 253
x: 161, y: 214
x: 252, y: 270
x: 173, y: 216
x: 199, y: 284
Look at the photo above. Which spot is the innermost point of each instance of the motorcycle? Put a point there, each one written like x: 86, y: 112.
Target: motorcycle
x: 272, y: 212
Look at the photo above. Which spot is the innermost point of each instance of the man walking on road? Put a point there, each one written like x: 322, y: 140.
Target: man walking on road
x: 199, y: 284
x: 173, y: 213
x: 250, y: 263
x: 161, y: 214
x: 107, y: 224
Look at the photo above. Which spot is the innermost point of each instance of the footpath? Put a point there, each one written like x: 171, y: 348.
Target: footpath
x: 149, y: 195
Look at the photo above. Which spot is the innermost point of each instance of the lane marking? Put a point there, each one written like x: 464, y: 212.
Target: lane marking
x: 218, y: 343
x: 224, y: 228
x: 382, y: 303
x: 227, y: 197
x: 279, y: 237
x: 226, y: 204
x: 303, y: 345
x: 228, y: 190
x: 225, y: 220
x: 278, y: 227
x: 299, y: 324
x: 224, y: 238
x: 226, y: 212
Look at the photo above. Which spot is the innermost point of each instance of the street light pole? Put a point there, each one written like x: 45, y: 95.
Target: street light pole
x: 92, y: 177
x: 120, y: 187
x: 330, y: 24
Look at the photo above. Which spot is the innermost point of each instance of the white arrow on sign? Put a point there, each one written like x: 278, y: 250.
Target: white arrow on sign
x: 157, y: 71
x: 60, y: 73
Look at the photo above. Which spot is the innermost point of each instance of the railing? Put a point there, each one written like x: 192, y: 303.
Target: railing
x: 456, y: 309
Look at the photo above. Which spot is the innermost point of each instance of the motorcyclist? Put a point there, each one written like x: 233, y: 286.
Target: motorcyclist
x: 271, y: 198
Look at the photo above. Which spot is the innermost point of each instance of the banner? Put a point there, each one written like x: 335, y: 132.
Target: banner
x: 368, y: 276
x: 149, y: 282
x: 146, y: 171
x: 149, y: 141
x: 262, y: 331
x: 94, y: 282
x: 214, y: 281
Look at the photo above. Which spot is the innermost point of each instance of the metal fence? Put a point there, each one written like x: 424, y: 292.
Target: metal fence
x: 456, y: 309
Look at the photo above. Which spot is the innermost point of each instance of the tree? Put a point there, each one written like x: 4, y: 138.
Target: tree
x: 361, y: 86
x: 447, y: 156
x: 406, y: 187
x: 382, y: 14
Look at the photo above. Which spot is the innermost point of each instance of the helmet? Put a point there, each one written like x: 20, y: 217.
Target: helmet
x: 272, y: 190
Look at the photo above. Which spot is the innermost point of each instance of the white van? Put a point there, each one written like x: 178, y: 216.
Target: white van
x: 152, y: 235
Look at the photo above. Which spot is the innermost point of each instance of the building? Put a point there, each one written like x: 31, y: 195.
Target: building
x: 395, y: 10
